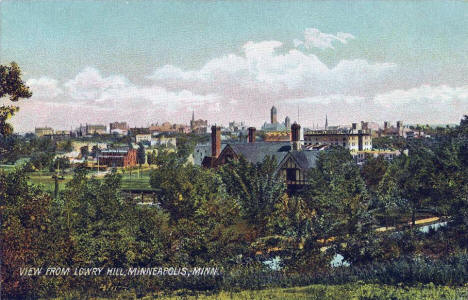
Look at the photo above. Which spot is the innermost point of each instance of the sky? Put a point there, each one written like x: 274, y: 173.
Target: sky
x: 153, y: 61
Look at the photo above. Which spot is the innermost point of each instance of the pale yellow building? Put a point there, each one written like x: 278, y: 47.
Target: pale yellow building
x: 354, y: 140
x: 41, y: 131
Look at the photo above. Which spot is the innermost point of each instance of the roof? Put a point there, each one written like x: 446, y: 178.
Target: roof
x: 116, y: 150
x: 256, y: 152
x: 273, y: 127
x: 305, y: 159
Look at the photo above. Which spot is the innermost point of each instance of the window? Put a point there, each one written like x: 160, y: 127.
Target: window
x: 291, y: 174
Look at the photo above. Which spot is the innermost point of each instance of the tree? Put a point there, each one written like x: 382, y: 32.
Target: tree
x: 373, y: 171
x: 184, y: 187
x: 95, y: 151
x: 256, y: 187
x: 24, y: 238
x: 13, y: 86
x: 84, y: 151
x: 152, y: 157
x: 337, y: 193
x: 141, y: 154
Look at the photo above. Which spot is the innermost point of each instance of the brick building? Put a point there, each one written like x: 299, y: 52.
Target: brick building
x: 118, y: 158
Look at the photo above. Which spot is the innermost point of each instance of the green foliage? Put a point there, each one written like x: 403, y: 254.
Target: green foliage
x: 84, y: 151
x: 59, y: 163
x: 24, y: 234
x: 186, y: 144
x: 239, y: 215
x: 338, y: 194
x: 373, y: 171
x: 41, y: 160
x: 256, y: 187
x: 184, y: 187
x: 13, y: 86
x: 141, y: 155
x: 338, y: 292
x: 389, y: 143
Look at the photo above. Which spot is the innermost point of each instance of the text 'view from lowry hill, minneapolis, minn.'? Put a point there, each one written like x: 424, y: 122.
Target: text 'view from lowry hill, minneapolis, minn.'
x: 234, y: 149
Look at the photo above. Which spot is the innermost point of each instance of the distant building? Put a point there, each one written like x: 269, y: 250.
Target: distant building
x: 353, y: 139
x: 287, y: 123
x: 198, y: 126
x: 41, y: 131
x: 77, y: 145
x: 164, y: 141
x: 273, y: 115
x: 167, y: 127
x: 139, y: 130
x: 277, y: 136
x: 59, y: 135
x: 415, y: 134
x: 63, y: 132
x: 274, y: 125
x: 236, y: 127
x: 118, y: 128
x: 143, y: 137
x: 123, y: 157
x: 95, y: 129
x: 394, y: 131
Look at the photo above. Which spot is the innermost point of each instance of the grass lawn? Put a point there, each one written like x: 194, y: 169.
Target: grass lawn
x: 335, y: 292
x: 131, y: 180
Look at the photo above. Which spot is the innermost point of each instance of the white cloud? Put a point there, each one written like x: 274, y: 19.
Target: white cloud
x: 243, y: 87
x: 90, y: 85
x: 44, y: 87
x: 92, y: 97
x: 424, y: 95
x: 337, y: 99
x: 313, y: 38
x: 263, y: 73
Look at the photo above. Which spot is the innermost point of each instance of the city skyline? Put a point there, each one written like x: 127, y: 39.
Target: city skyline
x: 158, y: 61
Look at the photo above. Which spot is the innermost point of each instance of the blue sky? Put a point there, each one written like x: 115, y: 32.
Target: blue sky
x: 151, y: 61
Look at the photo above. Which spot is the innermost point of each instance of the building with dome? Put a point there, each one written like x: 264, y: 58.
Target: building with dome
x: 274, y: 125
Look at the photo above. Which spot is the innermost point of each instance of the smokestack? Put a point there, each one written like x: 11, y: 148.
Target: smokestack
x: 251, y: 134
x: 295, y: 135
x: 215, y: 141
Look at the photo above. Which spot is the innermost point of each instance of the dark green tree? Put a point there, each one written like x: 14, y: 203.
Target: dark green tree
x: 141, y: 154
x: 256, y: 187
x: 11, y: 85
x: 337, y: 193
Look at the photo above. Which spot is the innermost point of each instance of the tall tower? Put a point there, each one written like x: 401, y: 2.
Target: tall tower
x: 274, y: 112
x: 326, y: 122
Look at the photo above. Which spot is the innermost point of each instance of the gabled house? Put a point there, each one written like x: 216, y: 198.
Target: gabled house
x: 292, y: 159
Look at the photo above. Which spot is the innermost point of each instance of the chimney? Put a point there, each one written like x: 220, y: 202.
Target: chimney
x: 251, y: 135
x: 295, y: 135
x: 215, y: 141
